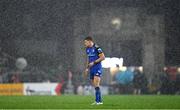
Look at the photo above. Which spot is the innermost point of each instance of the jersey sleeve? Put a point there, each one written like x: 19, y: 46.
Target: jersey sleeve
x: 99, y: 50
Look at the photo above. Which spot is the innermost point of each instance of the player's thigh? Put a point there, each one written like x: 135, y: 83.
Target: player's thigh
x: 97, y: 80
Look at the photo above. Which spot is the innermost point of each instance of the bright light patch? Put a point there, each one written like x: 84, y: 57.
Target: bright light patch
x: 116, y: 22
x: 141, y: 69
x: 114, y: 70
x: 165, y: 68
x: 178, y: 70
x: 112, y: 62
x: 123, y: 68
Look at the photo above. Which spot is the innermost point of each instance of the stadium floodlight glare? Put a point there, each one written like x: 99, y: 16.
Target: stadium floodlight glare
x: 116, y: 22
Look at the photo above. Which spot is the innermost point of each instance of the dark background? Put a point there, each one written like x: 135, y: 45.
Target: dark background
x: 42, y: 30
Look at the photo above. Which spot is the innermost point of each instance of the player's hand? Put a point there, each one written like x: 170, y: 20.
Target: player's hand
x: 91, y: 64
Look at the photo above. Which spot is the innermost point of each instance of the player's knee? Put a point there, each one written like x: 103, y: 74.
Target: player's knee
x: 97, y: 78
x: 96, y: 85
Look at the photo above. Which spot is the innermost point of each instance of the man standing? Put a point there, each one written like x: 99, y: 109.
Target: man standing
x: 94, y: 67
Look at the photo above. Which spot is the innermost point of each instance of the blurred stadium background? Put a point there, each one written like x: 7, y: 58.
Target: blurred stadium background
x: 42, y: 51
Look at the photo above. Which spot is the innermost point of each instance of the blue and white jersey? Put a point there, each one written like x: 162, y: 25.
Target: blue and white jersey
x: 93, y: 54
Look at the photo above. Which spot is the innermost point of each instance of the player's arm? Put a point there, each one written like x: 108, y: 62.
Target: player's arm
x: 87, y: 63
x: 87, y: 68
x: 101, y: 58
x: 100, y: 54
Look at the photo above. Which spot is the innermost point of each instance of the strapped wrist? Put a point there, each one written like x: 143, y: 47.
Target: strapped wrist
x: 95, y: 62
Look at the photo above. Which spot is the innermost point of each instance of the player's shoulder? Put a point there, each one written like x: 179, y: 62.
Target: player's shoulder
x: 96, y: 46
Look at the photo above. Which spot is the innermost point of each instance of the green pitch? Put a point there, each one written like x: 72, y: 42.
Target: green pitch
x: 83, y: 102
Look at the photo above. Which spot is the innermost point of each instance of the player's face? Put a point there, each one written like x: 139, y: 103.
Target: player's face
x: 87, y: 43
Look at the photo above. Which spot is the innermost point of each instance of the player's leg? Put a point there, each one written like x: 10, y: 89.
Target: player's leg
x: 92, y: 78
x: 92, y: 83
x: 96, y: 83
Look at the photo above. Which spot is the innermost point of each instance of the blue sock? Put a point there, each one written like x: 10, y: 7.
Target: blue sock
x: 98, y: 94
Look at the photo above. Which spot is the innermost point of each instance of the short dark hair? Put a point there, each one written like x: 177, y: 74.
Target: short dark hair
x: 89, y: 38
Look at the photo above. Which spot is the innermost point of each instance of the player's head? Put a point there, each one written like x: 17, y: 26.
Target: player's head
x: 88, y: 41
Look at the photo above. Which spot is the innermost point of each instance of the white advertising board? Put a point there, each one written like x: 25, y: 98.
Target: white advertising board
x: 40, y: 88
